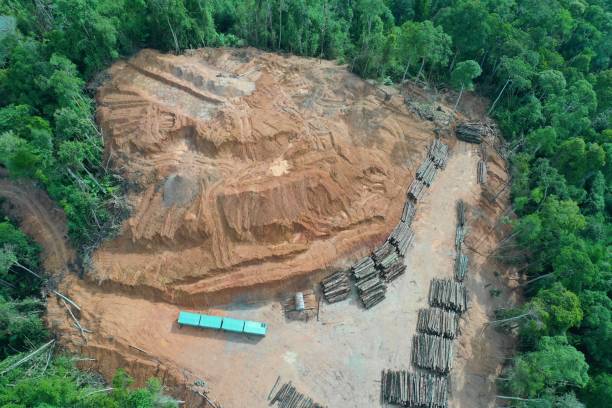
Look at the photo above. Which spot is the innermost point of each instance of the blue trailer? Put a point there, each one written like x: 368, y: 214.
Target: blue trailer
x: 221, y: 323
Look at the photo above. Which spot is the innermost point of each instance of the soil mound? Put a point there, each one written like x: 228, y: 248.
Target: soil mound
x: 252, y: 168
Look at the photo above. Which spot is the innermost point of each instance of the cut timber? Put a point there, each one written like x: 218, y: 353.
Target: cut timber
x: 427, y: 172
x: 461, y: 212
x: 448, y: 294
x: 336, y: 287
x: 459, y: 237
x: 438, y: 153
x: 414, y: 389
x: 461, y: 266
x: 432, y: 352
x: 288, y: 397
x: 408, y: 212
x: 416, y: 190
x: 473, y: 132
x: 438, y: 322
x: 482, y: 172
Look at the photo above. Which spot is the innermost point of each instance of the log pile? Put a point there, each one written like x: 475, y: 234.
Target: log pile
x: 438, y: 322
x: 416, y: 190
x: 461, y: 267
x: 414, y: 389
x: 288, y: 397
x: 472, y: 132
x: 383, y: 252
x: 370, y: 287
x: 393, y: 271
x: 460, y: 212
x: 459, y: 236
x: 293, y: 312
x: 448, y: 294
x: 432, y: 352
x: 482, y: 172
x: 371, y: 290
x: 438, y: 153
x: 402, y: 237
x: 427, y: 172
x: 364, y: 268
x: 336, y: 287
x: 408, y: 212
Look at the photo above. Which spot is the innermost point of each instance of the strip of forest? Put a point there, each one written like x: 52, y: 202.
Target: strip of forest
x: 543, y: 64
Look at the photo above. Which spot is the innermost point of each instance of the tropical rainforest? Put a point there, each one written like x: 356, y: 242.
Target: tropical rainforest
x: 543, y: 64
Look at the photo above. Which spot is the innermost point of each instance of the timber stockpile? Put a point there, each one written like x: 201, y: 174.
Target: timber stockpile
x: 288, y: 397
x: 370, y: 287
x: 402, y: 237
x: 461, y: 267
x: 426, y: 172
x: 416, y: 190
x: 414, y: 389
x: 388, y: 261
x: 432, y: 352
x: 461, y: 261
x: 336, y: 287
x: 408, y: 212
x: 438, y: 153
x: 482, y: 172
x: 438, y: 322
x: 473, y: 132
x: 448, y: 294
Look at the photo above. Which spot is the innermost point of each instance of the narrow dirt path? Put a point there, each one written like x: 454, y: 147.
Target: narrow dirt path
x: 41, y: 220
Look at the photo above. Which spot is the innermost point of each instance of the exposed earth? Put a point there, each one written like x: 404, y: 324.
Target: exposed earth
x: 254, y: 175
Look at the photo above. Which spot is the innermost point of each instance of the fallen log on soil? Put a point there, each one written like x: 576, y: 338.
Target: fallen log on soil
x: 432, y: 352
x: 438, y: 322
x: 459, y: 236
x: 448, y: 294
x: 414, y: 389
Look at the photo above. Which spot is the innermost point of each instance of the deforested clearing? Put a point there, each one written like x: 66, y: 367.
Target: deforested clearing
x: 253, y: 176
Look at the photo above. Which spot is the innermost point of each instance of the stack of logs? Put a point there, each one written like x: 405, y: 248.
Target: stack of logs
x: 408, y: 212
x: 427, y: 172
x: 438, y: 322
x: 472, y: 132
x: 438, y: 153
x: 416, y: 190
x: 370, y: 287
x: 402, y: 236
x: 388, y: 261
x: 461, y: 267
x: 448, y: 294
x: 461, y: 261
x: 336, y: 287
x: 432, y: 352
x: 288, y: 397
x: 414, y: 389
x: 482, y: 172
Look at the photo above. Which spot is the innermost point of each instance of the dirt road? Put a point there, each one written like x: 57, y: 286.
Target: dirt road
x: 41, y: 219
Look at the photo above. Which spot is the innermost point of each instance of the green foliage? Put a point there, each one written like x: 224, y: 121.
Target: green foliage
x: 464, y: 73
x: 549, y: 369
